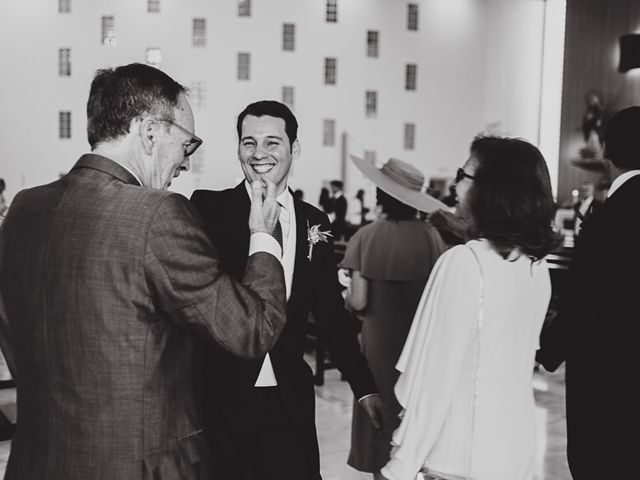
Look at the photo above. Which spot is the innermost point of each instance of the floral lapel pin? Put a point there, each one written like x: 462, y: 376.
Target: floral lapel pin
x: 315, y: 235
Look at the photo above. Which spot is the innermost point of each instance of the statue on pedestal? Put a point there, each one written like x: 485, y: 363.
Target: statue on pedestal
x: 592, y: 126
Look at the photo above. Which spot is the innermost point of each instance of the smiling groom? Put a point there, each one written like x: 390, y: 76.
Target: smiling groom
x: 265, y: 419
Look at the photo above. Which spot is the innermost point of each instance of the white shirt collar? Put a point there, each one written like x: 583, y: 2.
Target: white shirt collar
x: 620, y: 179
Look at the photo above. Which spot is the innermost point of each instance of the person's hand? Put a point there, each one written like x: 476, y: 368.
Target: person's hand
x: 374, y: 406
x: 443, y: 220
x: 265, y: 210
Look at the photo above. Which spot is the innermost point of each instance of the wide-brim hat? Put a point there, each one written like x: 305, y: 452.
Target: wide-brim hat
x: 402, y: 181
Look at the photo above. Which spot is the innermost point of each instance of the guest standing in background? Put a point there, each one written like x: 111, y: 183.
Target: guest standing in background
x: 597, y: 327
x: 6, y: 427
x: 465, y: 381
x: 3, y: 203
x: 586, y: 205
x: 325, y: 200
x: 362, y: 210
x: 339, y: 209
x: 390, y: 261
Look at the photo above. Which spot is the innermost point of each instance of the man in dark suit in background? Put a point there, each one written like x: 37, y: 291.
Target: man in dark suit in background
x: 108, y: 279
x: 339, y: 210
x: 597, y: 329
x: 586, y: 206
x: 265, y: 421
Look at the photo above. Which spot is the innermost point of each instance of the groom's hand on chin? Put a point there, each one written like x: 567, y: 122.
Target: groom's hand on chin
x: 265, y: 210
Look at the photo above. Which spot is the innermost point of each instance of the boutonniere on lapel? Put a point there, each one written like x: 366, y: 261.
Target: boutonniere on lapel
x: 315, y: 235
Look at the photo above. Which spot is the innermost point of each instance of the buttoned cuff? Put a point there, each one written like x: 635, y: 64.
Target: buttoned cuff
x: 397, y: 469
x: 263, y: 242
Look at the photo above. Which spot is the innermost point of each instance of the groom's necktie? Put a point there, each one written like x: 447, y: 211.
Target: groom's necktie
x: 277, y: 234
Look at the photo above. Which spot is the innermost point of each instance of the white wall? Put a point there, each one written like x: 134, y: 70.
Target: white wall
x: 513, y: 67
x: 477, y: 62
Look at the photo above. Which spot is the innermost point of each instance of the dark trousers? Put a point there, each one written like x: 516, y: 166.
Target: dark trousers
x: 269, y: 450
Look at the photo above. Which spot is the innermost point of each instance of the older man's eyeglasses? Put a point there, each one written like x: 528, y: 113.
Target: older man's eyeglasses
x: 461, y: 174
x: 194, y: 141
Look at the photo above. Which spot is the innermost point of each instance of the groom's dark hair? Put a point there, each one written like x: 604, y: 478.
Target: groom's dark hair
x: 273, y: 109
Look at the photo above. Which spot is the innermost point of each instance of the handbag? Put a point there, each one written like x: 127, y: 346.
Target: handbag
x: 427, y: 473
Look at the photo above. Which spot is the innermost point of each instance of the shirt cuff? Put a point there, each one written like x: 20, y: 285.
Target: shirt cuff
x: 365, y: 396
x: 263, y: 242
x: 397, y: 469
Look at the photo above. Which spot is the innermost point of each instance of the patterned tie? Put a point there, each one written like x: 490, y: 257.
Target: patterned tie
x: 277, y: 234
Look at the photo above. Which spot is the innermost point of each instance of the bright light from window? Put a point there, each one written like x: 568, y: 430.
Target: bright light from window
x: 551, y: 94
x: 154, y: 57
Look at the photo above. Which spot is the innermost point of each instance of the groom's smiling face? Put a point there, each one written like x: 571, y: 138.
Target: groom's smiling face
x: 264, y: 150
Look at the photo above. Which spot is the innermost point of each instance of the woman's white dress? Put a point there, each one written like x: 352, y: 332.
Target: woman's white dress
x: 466, y: 387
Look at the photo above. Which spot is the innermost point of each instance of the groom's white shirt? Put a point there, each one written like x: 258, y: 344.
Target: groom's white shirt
x: 267, y: 377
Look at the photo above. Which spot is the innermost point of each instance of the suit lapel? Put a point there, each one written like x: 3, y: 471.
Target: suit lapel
x: 301, y: 264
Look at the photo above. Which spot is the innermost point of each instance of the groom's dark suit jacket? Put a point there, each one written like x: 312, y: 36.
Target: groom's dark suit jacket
x: 597, y: 332
x: 315, y: 290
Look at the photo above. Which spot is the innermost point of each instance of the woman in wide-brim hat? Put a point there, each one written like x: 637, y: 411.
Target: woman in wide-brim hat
x: 390, y: 261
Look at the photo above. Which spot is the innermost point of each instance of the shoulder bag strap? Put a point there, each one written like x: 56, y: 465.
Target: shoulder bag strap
x: 476, y: 379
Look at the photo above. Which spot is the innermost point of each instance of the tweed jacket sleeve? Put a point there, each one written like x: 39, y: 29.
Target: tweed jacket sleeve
x: 183, y: 271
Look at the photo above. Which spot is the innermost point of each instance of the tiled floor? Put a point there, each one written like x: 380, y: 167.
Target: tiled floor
x: 334, y: 417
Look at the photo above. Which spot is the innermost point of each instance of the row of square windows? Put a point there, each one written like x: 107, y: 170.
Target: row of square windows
x: 199, y: 35
x: 244, y: 10
x: 328, y: 125
x: 154, y: 58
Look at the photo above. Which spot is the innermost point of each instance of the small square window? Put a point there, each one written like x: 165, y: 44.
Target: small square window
x: 64, y: 6
x: 412, y: 16
x: 287, y: 96
x: 64, y: 124
x: 411, y: 74
x: 332, y: 11
x: 329, y: 132
x: 409, y: 136
x: 288, y: 36
x: 154, y: 57
x: 371, y: 103
x: 244, y: 8
x: 330, y: 65
x: 198, y: 96
x: 108, y: 31
x: 199, y: 32
x: 64, y: 62
x: 372, y: 43
x: 244, y: 65
x: 153, y: 6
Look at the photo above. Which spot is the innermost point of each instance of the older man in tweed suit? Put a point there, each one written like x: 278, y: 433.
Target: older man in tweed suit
x: 107, y: 280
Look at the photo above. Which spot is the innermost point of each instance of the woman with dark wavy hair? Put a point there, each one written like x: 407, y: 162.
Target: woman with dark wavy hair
x: 465, y: 381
